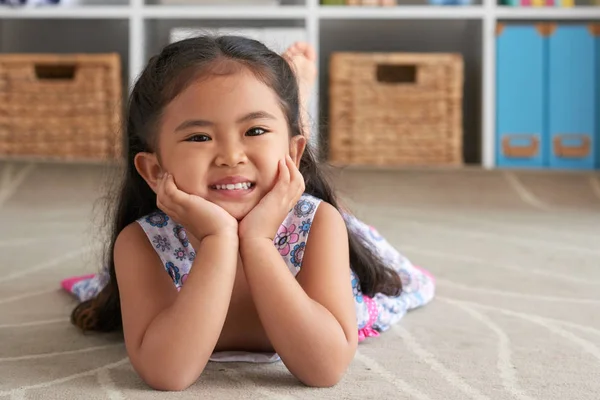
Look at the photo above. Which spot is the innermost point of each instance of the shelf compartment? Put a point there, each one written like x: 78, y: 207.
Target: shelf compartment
x: 421, y: 36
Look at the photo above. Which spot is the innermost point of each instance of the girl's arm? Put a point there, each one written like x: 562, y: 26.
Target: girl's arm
x: 170, y: 336
x: 310, y: 319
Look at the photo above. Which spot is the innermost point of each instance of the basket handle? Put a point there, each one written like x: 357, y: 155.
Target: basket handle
x: 397, y: 73
x: 55, y: 72
x: 572, y: 145
x: 520, y: 145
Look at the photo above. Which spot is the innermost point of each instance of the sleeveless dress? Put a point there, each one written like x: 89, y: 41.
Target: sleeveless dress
x: 374, y: 314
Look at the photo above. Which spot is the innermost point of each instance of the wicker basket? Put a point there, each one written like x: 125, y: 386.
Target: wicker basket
x: 60, y: 107
x: 396, y: 109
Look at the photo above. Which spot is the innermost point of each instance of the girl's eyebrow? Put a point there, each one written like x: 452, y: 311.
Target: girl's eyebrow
x: 193, y: 123
x: 255, y: 115
x: 202, y: 123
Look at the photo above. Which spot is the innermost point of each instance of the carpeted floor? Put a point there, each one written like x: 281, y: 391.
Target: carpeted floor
x: 517, y: 312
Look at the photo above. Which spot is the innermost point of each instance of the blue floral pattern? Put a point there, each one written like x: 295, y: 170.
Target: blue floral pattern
x: 181, y: 235
x: 304, y: 208
x: 173, y: 272
x: 305, y: 227
x: 161, y: 243
x: 157, y: 219
x: 356, y: 289
x: 298, y: 254
x: 179, y: 254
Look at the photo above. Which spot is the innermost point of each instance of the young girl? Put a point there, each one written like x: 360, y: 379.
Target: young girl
x: 221, y: 192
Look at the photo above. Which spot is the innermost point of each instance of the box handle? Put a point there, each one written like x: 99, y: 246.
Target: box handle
x: 572, y: 145
x: 521, y: 145
x: 389, y: 73
x: 55, y: 72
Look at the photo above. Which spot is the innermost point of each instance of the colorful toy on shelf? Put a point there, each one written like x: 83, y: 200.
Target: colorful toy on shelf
x: 538, y: 3
x: 28, y: 2
x: 450, y: 2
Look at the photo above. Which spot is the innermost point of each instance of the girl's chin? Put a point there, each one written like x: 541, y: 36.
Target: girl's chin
x: 237, y: 211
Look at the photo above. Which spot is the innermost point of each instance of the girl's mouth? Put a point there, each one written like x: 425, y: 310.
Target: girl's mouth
x: 233, y: 190
x: 242, y: 186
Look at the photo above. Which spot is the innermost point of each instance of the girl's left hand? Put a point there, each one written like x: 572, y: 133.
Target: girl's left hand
x: 266, y: 217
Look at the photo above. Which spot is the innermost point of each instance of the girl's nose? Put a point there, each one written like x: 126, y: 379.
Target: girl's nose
x: 231, y: 155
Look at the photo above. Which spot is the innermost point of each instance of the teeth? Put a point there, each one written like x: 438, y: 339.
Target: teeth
x: 237, y: 186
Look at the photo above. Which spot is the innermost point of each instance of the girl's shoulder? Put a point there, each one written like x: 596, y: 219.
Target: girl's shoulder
x: 132, y: 244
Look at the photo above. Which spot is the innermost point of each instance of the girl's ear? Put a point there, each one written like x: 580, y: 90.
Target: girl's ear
x: 297, y: 146
x: 149, y: 168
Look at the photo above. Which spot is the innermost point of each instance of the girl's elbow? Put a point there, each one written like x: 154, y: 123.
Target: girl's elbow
x: 170, y: 381
x: 331, y: 374
x: 324, y: 380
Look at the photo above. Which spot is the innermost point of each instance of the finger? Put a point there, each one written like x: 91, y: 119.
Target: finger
x: 161, y: 206
x: 290, y: 163
x: 295, y: 174
x: 284, y: 172
x: 172, y: 191
x: 162, y: 201
x: 160, y: 190
x: 296, y: 178
x: 161, y: 183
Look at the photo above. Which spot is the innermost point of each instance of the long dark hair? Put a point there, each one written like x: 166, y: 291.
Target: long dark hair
x: 165, y: 76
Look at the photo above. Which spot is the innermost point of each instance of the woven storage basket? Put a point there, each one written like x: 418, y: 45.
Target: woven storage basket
x: 396, y: 109
x: 62, y: 107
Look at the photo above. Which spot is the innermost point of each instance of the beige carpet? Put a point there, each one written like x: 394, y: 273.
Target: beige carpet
x: 517, y: 316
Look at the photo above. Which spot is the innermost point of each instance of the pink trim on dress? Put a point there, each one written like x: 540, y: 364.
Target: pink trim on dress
x: 368, y: 330
x: 68, y: 283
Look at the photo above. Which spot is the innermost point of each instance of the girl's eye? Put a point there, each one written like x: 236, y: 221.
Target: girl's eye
x: 255, y: 132
x: 198, y: 138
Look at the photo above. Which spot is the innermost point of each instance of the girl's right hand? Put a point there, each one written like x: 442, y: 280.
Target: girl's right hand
x: 198, y: 216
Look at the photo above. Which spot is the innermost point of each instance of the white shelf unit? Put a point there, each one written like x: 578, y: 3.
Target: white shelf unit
x: 137, y: 28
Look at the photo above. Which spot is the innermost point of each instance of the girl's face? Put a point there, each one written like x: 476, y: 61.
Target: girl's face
x: 221, y: 139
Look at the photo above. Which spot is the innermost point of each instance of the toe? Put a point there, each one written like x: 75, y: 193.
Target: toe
x: 306, y: 49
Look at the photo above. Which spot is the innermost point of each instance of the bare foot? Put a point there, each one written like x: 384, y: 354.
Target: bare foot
x: 302, y: 58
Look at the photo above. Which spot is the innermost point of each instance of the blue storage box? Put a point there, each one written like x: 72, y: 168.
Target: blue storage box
x: 520, y: 78
x: 572, y: 99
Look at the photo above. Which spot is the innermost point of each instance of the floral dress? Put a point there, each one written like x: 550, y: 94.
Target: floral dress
x: 374, y: 314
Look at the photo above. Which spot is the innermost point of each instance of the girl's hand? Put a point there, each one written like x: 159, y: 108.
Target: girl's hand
x: 199, y: 217
x: 266, y: 217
